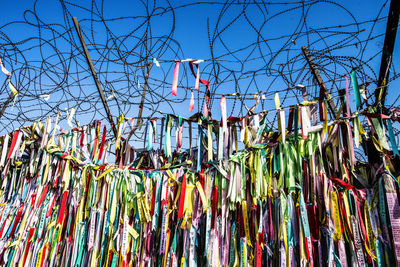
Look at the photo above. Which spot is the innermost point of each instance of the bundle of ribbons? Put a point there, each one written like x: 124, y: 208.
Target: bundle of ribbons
x: 293, y: 197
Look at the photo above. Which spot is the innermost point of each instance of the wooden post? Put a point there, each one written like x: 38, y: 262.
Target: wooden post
x: 387, y: 52
x: 318, y: 78
x: 146, y: 81
x: 96, y: 79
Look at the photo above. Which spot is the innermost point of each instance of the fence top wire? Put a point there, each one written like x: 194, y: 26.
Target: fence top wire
x: 248, y: 48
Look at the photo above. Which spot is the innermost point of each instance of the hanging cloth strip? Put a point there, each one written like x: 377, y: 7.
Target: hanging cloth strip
x: 175, y: 79
x: 202, y: 81
x: 288, y: 201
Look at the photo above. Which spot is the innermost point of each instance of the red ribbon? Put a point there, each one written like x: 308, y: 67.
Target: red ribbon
x: 182, y: 197
x: 341, y: 183
x: 50, y: 211
x: 13, y: 142
x: 96, y: 137
x: 17, y: 218
x: 290, y: 120
x: 43, y: 195
x: 43, y: 253
x: 234, y: 119
x: 258, y: 255
x: 153, y: 199
x: 103, y: 140
x: 81, y: 138
x: 201, y: 178
x: 214, y: 205
x: 31, y: 232
x: 62, y: 209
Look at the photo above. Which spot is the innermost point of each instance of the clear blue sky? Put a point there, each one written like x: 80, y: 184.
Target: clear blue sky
x: 191, y: 33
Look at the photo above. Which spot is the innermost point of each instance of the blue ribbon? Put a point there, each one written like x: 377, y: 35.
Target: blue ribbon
x: 391, y: 136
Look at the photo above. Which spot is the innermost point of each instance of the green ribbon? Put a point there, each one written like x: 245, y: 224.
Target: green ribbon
x: 356, y: 90
x: 392, y: 139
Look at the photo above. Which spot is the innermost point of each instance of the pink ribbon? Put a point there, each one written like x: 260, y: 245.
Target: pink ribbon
x: 197, y: 83
x: 206, y: 105
x: 132, y: 123
x: 223, y: 112
x: 179, y: 129
x: 175, y: 80
x: 205, y: 82
x: 347, y: 97
x: 191, y: 105
x: 224, y: 124
x: 3, y: 69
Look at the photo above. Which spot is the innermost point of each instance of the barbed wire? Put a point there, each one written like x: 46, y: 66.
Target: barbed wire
x: 249, y: 48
